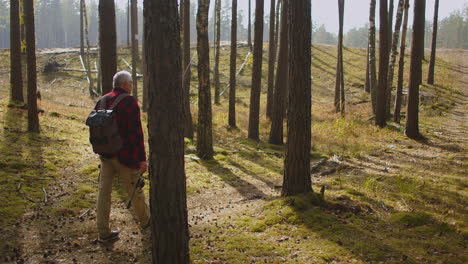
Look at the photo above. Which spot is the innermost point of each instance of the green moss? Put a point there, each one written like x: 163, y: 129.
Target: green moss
x: 411, y: 219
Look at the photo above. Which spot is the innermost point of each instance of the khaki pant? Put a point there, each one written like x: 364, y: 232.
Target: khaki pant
x: 128, y: 177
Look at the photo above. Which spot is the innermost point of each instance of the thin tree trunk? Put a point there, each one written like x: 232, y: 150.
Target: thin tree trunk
x: 339, y: 82
x: 187, y: 71
x: 92, y: 93
x: 367, y: 84
x: 204, y: 128
x: 129, y: 15
x: 82, y: 28
x: 108, y: 43
x: 401, y: 66
x: 217, y: 50
x: 144, y: 69
x: 134, y: 37
x: 99, y: 83
x: 33, y: 118
x: 277, y: 28
x: 254, y: 111
x: 297, y: 160
x: 168, y: 198
x: 249, y: 27
x: 391, y: 68
x: 271, y: 60
x: 232, y: 73
x: 430, y: 76
x: 417, y: 52
x: 391, y: 7
x: 372, y: 58
x: 281, y: 84
x: 16, y: 78
x: 380, y: 113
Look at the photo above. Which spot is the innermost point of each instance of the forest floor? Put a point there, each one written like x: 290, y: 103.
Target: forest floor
x: 388, y: 199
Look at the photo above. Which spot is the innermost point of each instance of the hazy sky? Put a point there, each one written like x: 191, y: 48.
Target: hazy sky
x: 356, y: 11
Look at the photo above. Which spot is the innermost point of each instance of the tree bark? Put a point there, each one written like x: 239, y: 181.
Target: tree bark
x: 134, y: 37
x: 417, y: 52
x: 271, y: 60
x: 391, y: 7
x: 233, y: 62
x: 91, y: 91
x: 249, y: 27
x: 107, y: 39
x: 217, y: 50
x: 297, y: 160
x: 16, y: 78
x: 144, y: 71
x: 281, y: 84
x: 33, y: 118
x: 401, y: 66
x: 129, y: 14
x: 430, y: 76
x: 394, y: 53
x: 367, y: 83
x: 254, y: 111
x: 187, y: 70
x: 339, y: 82
x: 82, y: 28
x: 168, y: 199
x: 380, y: 113
x: 204, y: 128
x: 372, y: 59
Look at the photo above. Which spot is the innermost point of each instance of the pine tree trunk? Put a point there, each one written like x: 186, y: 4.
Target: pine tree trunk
x: 249, y: 27
x: 394, y: 49
x: 277, y: 24
x: 82, y: 28
x: 33, y: 118
x: 254, y: 111
x: 339, y: 82
x: 169, y: 224
x: 232, y: 73
x: 16, y: 78
x: 129, y: 18
x: 401, y: 66
x: 108, y: 43
x: 391, y: 7
x: 297, y: 160
x: 372, y: 58
x: 380, y: 113
x: 87, y: 59
x: 417, y: 52
x: 271, y: 60
x: 144, y: 70
x: 217, y: 50
x: 367, y: 83
x: 281, y: 84
x: 430, y: 76
x: 204, y: 128
x: 134, y: 37
x: 187, y: 70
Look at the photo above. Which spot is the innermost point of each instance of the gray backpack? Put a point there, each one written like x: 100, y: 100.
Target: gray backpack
x: 103, y: 129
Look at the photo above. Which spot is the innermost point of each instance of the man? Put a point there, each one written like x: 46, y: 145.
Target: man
x: 128, y: 163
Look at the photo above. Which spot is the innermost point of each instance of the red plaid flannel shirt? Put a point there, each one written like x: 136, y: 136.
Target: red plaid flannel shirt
x: 130, y: 129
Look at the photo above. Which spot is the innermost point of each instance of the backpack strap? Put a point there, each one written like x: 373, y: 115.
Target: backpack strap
x: 118, y: 100
x: 102, y: 103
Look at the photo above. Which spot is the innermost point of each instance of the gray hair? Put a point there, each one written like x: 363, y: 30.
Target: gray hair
x: 120, y: 78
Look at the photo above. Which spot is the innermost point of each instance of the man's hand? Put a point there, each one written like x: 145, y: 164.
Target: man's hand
x: 143, y: 167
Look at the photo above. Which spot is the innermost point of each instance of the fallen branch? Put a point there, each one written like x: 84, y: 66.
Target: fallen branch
x: 83, y: 214
x: 131, y: 68
x: 45, y: 195
x: 239, y: 72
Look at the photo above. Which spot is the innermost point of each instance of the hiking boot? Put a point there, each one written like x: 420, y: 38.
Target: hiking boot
x: 113, y: 236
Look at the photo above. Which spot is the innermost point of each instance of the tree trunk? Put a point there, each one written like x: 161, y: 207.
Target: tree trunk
x: 16, y: 78
x: 401, y: 66
x: 372, y: 59
x: 281, y: 84
x: 204, y: 128
x: 134, y: 37
x: 91, y: 91
x: 297, y: 160
x: 144, y: 71
x: 108, y: 44
x: 129, y: 15
x: 232, y: 73
x: 417, y: 52
x: 249, y: 27
x: 391, y: 6
x: 217, y: 50
x: 33, y: 118
x: 187, y: 71
x: 271, y: 60
x: 367, y: 84
x: 394, y: 49
x: 169, y: 224
x: 277, y: 33
x: 254, y: 110
x: 380, y: 113
x: 339, y: 82
x: 430, y: 76
x: 82, y: 28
